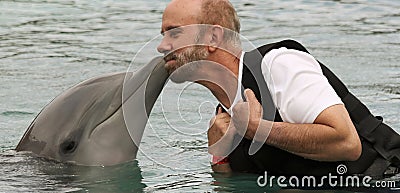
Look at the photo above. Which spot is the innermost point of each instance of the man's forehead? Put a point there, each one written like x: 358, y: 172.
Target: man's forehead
x: 181, y: 13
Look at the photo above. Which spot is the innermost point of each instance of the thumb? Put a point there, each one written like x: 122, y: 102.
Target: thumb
x: 250, y: 96
x: 219, y: 110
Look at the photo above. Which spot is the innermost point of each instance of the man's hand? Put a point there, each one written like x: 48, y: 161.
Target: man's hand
x: 220, y: 139
x: 220, y: 134
x: 247, y: 116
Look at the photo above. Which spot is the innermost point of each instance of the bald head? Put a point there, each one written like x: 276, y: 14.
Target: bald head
x: 212, y: 12
x: 181, y: 13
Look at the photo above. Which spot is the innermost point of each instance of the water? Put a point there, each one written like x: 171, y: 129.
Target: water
x: 48, y: 46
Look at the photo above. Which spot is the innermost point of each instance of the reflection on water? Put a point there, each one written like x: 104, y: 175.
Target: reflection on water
x: 48, y: 46
x: 24, y: 173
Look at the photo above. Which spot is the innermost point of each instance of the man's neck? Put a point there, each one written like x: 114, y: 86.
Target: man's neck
x: 224, y: 87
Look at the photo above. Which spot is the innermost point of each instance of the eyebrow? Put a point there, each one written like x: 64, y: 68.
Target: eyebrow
x: 169, y: 28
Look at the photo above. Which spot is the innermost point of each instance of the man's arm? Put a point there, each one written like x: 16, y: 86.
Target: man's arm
x: 332, y: 136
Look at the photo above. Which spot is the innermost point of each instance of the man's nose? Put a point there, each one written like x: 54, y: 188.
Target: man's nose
x: 164, y: 46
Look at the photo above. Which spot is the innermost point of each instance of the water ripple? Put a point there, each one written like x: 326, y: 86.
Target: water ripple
x: 16, y: 113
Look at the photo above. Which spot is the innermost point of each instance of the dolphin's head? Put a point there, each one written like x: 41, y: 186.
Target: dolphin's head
x: 85, y: 124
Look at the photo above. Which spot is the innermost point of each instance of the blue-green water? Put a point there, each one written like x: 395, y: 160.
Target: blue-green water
x: 48, y: 46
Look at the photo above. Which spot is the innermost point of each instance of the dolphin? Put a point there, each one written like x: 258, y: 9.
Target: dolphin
x: 86, y: 125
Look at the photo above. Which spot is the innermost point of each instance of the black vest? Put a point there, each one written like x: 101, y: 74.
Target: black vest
x: 380, y: 144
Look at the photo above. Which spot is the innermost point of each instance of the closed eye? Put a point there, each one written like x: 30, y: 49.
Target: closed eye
x: 172, y: 31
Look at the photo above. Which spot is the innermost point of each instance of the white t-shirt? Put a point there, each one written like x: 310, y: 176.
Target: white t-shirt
x: 299, y: 90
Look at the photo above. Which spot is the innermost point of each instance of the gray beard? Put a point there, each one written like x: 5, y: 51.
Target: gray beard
x: 187, y: 63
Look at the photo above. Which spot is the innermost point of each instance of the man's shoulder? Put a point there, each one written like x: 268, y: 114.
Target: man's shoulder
x: 288, y: 43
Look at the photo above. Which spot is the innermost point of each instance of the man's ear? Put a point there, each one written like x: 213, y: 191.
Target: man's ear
x: 217, y: 36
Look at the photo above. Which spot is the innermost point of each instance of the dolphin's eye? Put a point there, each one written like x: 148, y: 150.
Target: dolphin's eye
x: 68, y: 146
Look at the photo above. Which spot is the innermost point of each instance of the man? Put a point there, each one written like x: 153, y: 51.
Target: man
x: 315, y: 133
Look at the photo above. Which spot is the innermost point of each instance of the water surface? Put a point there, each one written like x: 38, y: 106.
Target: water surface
x: 46, y: 47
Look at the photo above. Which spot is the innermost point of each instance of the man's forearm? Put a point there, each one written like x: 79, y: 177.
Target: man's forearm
x: 312, y: 141
x: 303, y: 139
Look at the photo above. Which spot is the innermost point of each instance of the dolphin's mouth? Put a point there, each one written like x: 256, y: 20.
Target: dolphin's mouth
x: 98, y: 125
x: 132, y: 82
x: 117, y: 106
